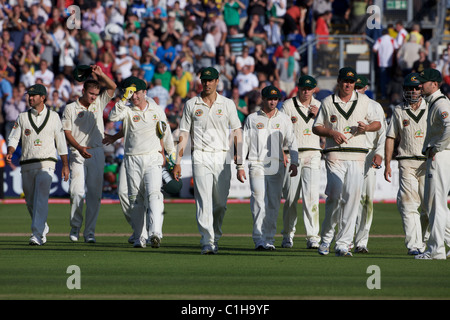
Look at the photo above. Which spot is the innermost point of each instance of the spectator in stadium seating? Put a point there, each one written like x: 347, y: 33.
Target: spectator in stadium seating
x: 159, y: 93
x: 231, y: 12
x: 287, y: 71
x: 246, y: 81
x: 45, y: 73
x: 162, y: 73
x: 181, y: 82
x: 12, y: 108
x: 385, y: 48
x: 422, y: 63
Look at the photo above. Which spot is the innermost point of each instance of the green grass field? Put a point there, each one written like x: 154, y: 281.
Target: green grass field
x: 112, y: 269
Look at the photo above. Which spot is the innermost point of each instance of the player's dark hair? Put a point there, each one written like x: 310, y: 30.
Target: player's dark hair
x: 91, y: 84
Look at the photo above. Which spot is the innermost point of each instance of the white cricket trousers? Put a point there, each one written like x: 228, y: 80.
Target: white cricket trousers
x: 86, y: 183
x: 266, y: 187
x: 437, y: 187
x: 212, y: 173
x: 410, y: 203
x: 307, y: 181
x: 144, y: 178
x: 122, y: 192
x: 343, y: 190
x: 36, y: 187
x: 365, y: 214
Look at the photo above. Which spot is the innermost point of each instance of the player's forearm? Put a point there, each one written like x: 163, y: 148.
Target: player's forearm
x: 388, y: 151
x: 182, y: 143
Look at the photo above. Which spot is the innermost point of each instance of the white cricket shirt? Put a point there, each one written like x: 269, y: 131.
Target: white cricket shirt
x: 210, y: 127
x: 139, y: 128
x: 410, y: 126
x: 86, y: 124
x: 42, y: 138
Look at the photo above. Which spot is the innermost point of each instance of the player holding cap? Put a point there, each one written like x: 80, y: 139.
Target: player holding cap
x: 302, y: 110
x: 409, y: 125
x: 208, y: 119
x: 266, y: 133
x: 144, y: 133
x: 42, y: 136
x: 437, y: 150
x: 343, y: 119
x: 84, y: 129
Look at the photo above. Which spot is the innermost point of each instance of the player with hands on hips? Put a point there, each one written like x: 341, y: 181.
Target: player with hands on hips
x: 266, y: 133
x: 302, y: 110
x: 84, y: 129
x: 436, y: 148
x: 144, y: 146
x: 40, y: 131
x: 408, y: 126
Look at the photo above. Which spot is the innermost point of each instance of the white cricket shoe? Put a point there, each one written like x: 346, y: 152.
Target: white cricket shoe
x: 343, y: 253
x: 312, y: 244
x: 324, y: 249
x: 35, y: 241
x: 44, y: 235
x: 140, y: 243
x: 424, y: 256
x: 207, y: 249
x: 287, y: 243
x: 90, y: 239
x: 74, y: 234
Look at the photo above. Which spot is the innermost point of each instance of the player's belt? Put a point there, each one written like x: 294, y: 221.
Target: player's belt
x: 357, y: 150
x: 412, y: 158
x: 207, y: 150
x: 37, y: 160
x: 303, y: 149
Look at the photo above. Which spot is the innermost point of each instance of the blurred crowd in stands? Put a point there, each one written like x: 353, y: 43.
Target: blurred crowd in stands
x: 251, y: 42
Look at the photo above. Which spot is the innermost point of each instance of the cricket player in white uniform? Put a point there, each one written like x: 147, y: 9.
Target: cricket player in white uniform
x: 437, y: 149
x: 374, y: 158
x: 302, y: 110
x: 213, y: 124
x: 143, y: 160
x: 343, y: 119
x: 266, y: 133
x: 408, y: 125
x: 84, y: 129
x: 42, y: 137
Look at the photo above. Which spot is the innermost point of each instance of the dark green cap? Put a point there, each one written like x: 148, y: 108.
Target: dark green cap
x: 37, y: 89
x: 271, y: 92
x: 307, y: 81
x: 411, y: 80
x: 134, y: 82
x: 209, y: 74
x: 429, y: 74
x: 347, y: 73
x: 173, y: 186
x: 361, y: 82
x: 81, y: 73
